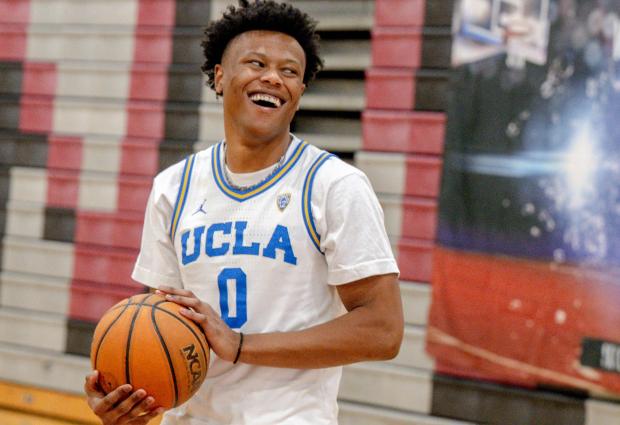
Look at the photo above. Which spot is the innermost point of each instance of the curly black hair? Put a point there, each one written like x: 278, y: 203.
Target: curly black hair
x: 261, y: 15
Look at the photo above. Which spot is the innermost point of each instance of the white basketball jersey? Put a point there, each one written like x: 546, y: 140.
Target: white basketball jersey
x: 255, y: 256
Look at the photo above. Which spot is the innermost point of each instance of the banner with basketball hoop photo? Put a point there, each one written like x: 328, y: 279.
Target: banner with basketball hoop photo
x: 526, y: 273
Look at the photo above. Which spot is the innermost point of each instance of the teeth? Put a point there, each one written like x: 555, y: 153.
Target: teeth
x: 267, y: 98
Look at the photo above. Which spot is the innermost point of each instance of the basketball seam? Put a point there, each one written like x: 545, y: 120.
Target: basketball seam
x: 170, y: 364
x: 204, y: 350
x: 156, y: 306
x: 105, y: 333
x: 129, y: 335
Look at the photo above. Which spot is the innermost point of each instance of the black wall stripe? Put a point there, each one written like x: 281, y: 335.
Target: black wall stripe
x: 10, y: 84
x: 79, y: 337
x: 4, y: 195
x: 11, y: 76
x: 17, y: 148
x: 194, y: 13
x: 436, y: 47
x: 9, y: 112
x: 493, y: 404
x: 431, y: 89
x: 438, y: 12
x: 24, y: 150
x: 2, y: 226
x: 182, y: 120
x: 59, y: 224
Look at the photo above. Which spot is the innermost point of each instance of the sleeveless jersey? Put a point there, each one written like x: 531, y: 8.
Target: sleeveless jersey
x: 256, y: 256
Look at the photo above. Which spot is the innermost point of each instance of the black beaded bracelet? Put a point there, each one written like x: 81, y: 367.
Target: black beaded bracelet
x: 239, y: 349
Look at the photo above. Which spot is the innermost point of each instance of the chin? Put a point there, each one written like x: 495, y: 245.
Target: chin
x: 266, y: 133
x: 266, y: 127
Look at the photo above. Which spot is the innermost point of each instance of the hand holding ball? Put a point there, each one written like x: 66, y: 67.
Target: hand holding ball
x: 144, y: 341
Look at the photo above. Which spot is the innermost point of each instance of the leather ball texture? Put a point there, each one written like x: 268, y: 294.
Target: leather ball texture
x: 144, y: 341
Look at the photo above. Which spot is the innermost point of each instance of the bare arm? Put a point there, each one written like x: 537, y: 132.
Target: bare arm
x: 372, y: 329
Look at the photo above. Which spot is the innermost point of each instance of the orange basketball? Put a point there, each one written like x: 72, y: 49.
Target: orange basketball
x: 144, y: 341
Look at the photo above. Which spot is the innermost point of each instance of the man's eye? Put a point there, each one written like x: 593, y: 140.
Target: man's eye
x: 290, y: 71
x: 256, y: 63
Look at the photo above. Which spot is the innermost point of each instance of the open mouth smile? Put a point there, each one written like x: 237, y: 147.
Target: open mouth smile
x: 266, y: 100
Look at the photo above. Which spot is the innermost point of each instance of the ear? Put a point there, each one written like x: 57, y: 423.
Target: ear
x: 217, y: 79
x: 303, y: 90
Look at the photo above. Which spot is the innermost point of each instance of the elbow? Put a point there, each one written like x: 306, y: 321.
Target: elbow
x: 391, y: 340
x: 395, y: 342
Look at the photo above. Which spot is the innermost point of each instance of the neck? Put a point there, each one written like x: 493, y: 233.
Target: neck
x: 243, y: 156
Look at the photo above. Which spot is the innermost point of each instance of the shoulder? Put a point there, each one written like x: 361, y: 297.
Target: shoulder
x: 328, y: 172
x: 172, y: 175
x: 167, y: 182
x: 335, y: 170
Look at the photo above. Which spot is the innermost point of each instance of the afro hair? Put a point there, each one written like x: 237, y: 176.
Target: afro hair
x: 261, y: 15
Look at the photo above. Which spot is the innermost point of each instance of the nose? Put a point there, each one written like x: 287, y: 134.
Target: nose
x: 271, y: 76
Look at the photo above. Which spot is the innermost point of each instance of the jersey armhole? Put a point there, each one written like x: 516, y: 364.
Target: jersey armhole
x: 306, y: 205
x: 181, y: 195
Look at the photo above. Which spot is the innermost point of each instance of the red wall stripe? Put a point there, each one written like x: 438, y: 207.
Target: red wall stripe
x: 149, y: 82
x: 12, y: 42
x: 403, y: 131
x: 157, y: 12
x: 390, y: 88
x: 139, y: 157
x: 64, y: 152
x: 62, y: 188
x: 399, y: 12
x: 36, y: 114
x: 107, y: 243
x: 423, y: 175
x: 122, y: 230
x: 15, y: 11
x: 419, y: 218
x: 39, y: 78
x: 145, y: 119
x: 397, y: 47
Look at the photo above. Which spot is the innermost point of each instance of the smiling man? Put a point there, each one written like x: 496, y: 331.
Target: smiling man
x: 276, y: 248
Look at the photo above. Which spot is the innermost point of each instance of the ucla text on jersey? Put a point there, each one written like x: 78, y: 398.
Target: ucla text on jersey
x: 280, y: 240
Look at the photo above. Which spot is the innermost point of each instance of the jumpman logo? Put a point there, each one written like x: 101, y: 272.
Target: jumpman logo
x: 200, y: 209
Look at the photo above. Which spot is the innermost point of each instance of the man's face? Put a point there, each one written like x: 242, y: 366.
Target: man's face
x: 261, y: 79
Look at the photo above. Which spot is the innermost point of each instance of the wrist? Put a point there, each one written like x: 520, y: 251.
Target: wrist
x: 239, y: 347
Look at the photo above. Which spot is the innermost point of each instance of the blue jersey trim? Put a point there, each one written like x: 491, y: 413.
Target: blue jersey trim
x: 257, y: 189
x: 306, y: 208
x: 182, y: 195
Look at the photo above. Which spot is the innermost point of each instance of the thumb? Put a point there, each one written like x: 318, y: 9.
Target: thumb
x: 91, y: 385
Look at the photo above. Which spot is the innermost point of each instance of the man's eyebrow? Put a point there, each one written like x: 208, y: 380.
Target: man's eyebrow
x: 252, y: 52
x: 263, y: 55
